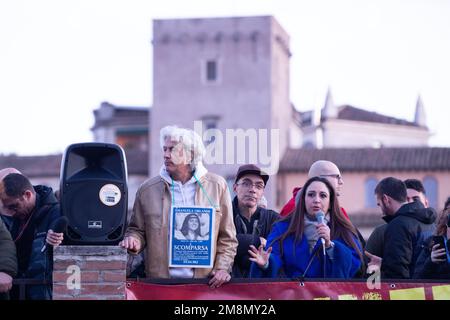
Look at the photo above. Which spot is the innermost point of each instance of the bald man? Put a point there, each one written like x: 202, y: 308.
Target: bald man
x: 328, y: 170
x: 320, y: 168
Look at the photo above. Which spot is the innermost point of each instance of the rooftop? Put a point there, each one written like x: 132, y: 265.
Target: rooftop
x: 369, y: 159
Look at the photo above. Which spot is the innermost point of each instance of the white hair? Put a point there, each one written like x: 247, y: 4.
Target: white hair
x: 189, y: 139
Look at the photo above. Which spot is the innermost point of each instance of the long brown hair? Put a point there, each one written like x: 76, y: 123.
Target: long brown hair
x: 340, y: 226
x: 441, y: 224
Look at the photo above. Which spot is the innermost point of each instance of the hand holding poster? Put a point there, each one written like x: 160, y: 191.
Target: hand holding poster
x: 191, y: 237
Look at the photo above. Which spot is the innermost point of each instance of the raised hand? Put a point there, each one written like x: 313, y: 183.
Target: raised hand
x: 259, y: 256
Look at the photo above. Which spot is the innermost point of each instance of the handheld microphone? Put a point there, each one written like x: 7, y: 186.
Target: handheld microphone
x: 320, y: 216
x: 58, y: 226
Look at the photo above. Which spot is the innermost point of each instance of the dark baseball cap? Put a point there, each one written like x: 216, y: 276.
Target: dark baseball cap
x: 251, y: 169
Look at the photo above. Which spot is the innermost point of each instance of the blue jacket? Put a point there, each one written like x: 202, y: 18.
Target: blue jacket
x: 344, y: 262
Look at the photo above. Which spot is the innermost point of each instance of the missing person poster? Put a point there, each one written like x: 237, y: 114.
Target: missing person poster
x: 191, y: 237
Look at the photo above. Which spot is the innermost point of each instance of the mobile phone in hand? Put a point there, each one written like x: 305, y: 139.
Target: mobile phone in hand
x: 439, y: 240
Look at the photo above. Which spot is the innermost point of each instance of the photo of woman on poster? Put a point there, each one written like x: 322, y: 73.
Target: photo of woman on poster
x: 190, y: 229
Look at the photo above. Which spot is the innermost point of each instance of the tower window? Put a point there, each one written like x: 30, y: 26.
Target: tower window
x: 211, y: 70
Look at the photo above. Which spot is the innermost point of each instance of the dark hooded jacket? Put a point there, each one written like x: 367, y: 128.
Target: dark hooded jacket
x: 404, y: 238
x: 32, y: 263
x: 248, y: 233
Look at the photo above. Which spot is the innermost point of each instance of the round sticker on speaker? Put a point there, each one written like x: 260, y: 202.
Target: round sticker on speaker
x: 110, y: 195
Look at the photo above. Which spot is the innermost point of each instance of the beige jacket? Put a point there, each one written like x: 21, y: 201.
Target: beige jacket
x: 150, y: 224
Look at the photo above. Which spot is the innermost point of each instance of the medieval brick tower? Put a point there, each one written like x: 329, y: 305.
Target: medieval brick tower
x: 227, y: 74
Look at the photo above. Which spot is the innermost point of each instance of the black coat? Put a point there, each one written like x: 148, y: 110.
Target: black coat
x: 404, y: 238
x: 426, y: 269
x: 264, y: 221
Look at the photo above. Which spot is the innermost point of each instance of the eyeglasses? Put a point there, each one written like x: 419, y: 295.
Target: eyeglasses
x: 247, y: 184
x: 336, y: 176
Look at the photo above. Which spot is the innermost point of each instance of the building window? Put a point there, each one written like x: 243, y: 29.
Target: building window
x: 431, y: 189
x: 211, y: 71
x: 369, y: 187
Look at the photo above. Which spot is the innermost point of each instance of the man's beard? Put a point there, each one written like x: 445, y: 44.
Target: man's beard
x: 384, y: 208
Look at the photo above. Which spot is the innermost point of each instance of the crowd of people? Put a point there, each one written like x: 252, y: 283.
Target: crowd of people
x: 311, y: 237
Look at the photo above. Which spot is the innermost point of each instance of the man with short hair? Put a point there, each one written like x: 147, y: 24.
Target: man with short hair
x: 183, y: 181
x: 415, y: 191
x: 3, y: 173
x: 409, y: 224
x: 253, y: 223
x: 31, y: 212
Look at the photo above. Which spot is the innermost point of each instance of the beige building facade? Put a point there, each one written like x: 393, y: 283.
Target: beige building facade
x: 362, y: 169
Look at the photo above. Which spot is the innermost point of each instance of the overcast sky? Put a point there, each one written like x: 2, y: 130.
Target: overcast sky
x: 60, y: 59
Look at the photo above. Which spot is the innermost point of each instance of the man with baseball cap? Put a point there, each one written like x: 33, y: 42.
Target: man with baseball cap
x: 253, y: 223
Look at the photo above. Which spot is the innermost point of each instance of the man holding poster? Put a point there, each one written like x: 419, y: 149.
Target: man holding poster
x: 183, y: 190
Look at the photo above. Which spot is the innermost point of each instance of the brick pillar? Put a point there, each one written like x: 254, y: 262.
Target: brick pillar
x: 89, y: 273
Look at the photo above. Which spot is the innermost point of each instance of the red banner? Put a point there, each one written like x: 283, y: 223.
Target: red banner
x: 290, y: 291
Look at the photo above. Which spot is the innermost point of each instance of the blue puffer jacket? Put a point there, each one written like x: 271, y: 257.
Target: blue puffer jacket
x: 344, y: 262
x: 40, y: 264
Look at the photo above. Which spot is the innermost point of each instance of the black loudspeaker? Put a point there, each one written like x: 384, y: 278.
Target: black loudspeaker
x: 93, y: 193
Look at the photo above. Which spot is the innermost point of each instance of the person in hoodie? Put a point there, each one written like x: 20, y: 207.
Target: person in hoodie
x: 182, y: 181
x: 31, y: 211
x: 415, y: 191
x: 409, y: 225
